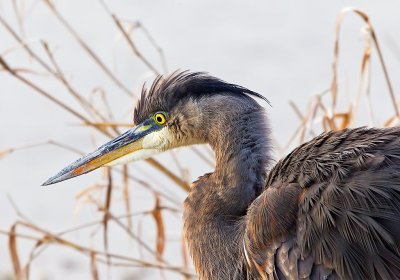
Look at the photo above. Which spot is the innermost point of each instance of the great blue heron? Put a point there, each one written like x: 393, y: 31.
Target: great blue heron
x: 328, y: 210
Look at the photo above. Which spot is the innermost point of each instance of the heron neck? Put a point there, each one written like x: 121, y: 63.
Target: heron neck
x: 218, y: 201
x: 242, y: 157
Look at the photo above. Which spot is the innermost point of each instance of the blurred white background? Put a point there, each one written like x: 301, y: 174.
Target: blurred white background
x: 282, y: 49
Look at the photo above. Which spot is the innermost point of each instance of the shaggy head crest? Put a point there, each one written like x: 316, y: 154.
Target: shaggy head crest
x: 168, y: 91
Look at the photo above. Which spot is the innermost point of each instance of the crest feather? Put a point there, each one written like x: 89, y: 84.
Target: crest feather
x: 167, y: 91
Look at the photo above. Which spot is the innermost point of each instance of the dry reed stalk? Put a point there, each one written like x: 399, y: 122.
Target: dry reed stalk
x: 184, y: 185
x: 135, y: 237
x: 106, y: 210
x: 93, y: 267
x: 44, y: 93
x: 331, y: 118
x: 102, y: 124
x: 161, y: 235
x: 89, y: 108
x: 160, y: 240
x: 128, y: 39
x: 127, y: 197
x: 118, y: 217
x: 12, y: 247
x: 86, y: 47
x: 19, y: 16
x: 48, y: 237
x: 108, y: 124
x: 369, y: 28
x: 26, y: 46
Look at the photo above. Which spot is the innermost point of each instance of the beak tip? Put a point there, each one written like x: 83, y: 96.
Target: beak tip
x: 128, y: 142
x: 49, y: 181
x: 61, y: 176
x: 57, y: 178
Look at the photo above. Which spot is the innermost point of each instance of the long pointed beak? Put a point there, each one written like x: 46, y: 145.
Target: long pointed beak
x: 127, y: 143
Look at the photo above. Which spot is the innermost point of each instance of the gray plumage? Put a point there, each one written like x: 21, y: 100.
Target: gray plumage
x: 328, y: 210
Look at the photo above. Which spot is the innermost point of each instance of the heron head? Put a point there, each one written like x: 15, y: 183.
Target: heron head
x: 181, y: 109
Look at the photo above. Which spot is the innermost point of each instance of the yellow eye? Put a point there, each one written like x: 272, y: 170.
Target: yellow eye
x: 160, y: 118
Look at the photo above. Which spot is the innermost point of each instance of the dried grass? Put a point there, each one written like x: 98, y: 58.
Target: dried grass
x: 322, y: 114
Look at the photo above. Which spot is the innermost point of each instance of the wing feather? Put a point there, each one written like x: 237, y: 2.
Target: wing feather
x: 330, y: 210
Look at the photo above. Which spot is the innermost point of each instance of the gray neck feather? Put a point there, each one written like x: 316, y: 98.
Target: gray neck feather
x: 238, y: 132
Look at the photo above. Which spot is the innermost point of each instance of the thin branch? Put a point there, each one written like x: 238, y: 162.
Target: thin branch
x: 128, y: 39
x: 184, y: 185
x: 61, y: 77
x: 25, y: 46
x: 51, y: 238
x: 91, y: 53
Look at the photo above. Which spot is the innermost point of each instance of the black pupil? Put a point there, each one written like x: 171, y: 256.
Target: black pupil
x: 159, y: 119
